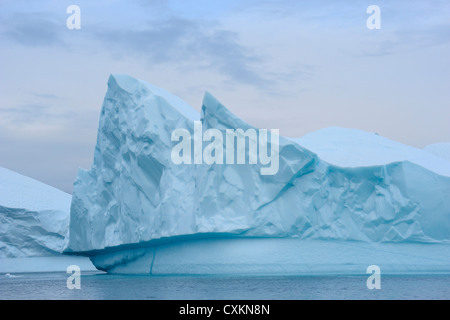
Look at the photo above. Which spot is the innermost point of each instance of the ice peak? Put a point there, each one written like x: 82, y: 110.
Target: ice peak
x: 124, y: 82
x: 216, y: 115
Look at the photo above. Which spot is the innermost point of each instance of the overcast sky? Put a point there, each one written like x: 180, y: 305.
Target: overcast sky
x: 292, y: 65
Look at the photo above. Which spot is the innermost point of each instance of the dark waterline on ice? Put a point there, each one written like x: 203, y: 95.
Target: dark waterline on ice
x: 104, y: 286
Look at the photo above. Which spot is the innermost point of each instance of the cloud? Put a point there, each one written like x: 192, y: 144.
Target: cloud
x: 188, y: 43
x: 32, y: 29
x: 52, y: 162
x: 47, y: 121
x: 25, y: 113
x: 45, y: 96
x: 165, y: 36
x: 47, y: 143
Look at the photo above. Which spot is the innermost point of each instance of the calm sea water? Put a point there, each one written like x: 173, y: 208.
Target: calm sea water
x: 103, y: 286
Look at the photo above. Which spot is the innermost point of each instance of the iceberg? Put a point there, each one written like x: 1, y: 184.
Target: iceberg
x: 34, y: 217
x: 34, y: 226
x: 341, y: 200
x: 441, y: 150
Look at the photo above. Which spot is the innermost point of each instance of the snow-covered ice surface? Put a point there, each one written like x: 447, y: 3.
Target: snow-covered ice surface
x: 356, y: 148
x: 441, y: 150
x: 34, y: 225
x: 34, y: 217
x: 341, y: 200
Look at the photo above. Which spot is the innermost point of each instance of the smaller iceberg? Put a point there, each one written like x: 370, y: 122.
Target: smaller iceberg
x: 34, y: 226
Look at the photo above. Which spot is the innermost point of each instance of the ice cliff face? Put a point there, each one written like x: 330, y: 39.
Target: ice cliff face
x: 338, y: 184
x: 34, y: 217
